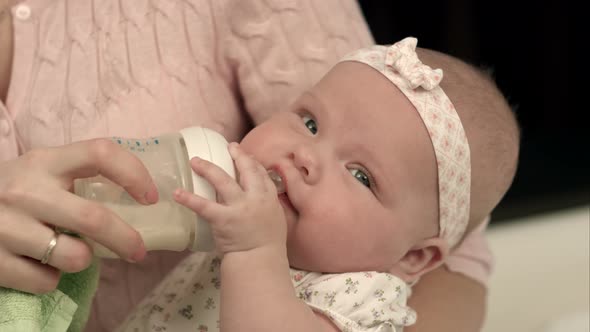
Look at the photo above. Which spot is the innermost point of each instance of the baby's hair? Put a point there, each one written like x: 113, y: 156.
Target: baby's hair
x: 490, y: 125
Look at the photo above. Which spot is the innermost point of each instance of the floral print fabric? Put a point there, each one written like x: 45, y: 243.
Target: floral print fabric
x: 188, y: 299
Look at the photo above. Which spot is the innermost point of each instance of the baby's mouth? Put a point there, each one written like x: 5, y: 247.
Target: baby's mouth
x: 286, y: 202
x: 277, y: 178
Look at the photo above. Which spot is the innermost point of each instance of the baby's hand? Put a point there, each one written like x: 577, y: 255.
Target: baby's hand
x: 249, y: 215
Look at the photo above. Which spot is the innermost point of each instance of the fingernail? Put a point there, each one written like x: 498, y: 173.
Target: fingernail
x: 151, y: 196
x: 177, y: 193
x: 139, y: 255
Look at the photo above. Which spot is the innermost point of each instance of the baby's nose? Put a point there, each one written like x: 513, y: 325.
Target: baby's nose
x: 306, y: 161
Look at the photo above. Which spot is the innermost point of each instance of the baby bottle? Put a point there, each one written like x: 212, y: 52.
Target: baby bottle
x: 165, y: 225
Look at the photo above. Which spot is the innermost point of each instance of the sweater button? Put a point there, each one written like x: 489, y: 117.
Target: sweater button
x: 23, y: 12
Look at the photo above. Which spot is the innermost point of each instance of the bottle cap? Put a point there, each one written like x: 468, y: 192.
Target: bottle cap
x: 209, y: 145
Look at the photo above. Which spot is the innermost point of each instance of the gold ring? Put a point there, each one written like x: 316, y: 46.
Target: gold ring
x: 49, y: 249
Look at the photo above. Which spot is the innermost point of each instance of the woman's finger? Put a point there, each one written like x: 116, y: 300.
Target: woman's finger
x: 100, y: 157
x: 26, y: 274
x: 84, y: 217
x: 70, y: 254
x: 31, y: 239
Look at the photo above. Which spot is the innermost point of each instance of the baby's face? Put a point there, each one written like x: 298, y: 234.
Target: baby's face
x: 359, y: 170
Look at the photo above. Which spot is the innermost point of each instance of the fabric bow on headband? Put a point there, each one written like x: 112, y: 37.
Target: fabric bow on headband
x: 420, y: 84
x: 402, y: 58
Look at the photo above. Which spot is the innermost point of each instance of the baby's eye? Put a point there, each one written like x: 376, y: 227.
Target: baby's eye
x: 310, y: 124
x: 361, y: 176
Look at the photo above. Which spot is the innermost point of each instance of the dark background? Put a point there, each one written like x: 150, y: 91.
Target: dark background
x: 528, y: 48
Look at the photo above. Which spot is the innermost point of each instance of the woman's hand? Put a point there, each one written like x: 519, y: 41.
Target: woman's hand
x: 36, y: 197
x: 249, y: 215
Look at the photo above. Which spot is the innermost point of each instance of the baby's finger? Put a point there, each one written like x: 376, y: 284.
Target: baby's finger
x: 207, y: 209
x: 226, y: 187
x: 252, y: 174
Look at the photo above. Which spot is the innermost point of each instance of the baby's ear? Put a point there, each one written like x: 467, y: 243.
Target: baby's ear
x: 423, y: 257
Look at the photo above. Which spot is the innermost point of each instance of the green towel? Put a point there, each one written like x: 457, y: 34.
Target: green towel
x: 65, y: 309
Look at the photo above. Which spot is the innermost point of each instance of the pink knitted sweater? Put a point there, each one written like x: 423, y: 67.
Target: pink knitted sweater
x: 134, y: 68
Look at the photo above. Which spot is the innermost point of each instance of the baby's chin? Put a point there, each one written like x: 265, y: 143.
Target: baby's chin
x: 314, y: 263
x: 298, y: 263
x: 297, y: 258
x: 304, y: 265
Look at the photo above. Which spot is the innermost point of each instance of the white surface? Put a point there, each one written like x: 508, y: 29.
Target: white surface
x: 541, y: 281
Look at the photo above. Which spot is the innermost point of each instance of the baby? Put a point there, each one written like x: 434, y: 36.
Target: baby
x: 381, y: 184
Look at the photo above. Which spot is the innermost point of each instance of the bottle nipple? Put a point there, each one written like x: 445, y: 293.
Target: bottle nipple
x: 276, y: 179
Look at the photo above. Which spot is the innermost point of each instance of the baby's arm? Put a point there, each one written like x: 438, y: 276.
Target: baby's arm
x: 257, y: 295
x: 250, y: 231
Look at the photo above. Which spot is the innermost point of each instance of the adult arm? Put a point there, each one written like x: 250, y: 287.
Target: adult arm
x: 448, y: 301
x: 453, y: 297
x: 275, y: 50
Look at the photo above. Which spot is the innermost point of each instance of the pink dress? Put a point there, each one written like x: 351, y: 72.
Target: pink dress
x: 136, y: 68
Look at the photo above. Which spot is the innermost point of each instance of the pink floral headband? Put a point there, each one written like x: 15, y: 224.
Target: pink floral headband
x: 420, y: 84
